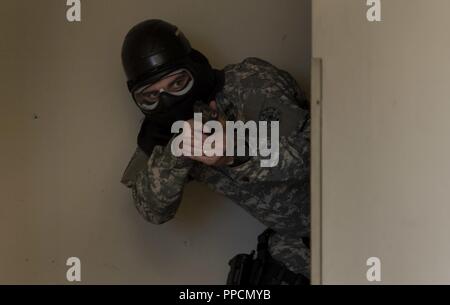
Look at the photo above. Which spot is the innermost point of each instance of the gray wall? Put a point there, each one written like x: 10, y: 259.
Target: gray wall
x: 385, y: 148
x: 68, y: 129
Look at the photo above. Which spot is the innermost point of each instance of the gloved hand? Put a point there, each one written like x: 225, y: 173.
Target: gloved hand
x: 153, y: 134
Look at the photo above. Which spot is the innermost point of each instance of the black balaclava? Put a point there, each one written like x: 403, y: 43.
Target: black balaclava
x: 153, y: 49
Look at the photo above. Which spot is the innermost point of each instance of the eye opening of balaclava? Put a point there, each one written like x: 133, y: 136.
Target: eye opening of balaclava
x: 149, y: 100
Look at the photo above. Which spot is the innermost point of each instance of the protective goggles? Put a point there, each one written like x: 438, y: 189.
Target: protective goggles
x: 176, y: 83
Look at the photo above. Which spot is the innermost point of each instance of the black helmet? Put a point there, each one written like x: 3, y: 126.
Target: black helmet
x: 151, y: 48
x: 154, y: 48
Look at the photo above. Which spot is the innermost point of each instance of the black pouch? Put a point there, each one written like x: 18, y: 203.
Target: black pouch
x: 240, y: 269
x: 246, y: 269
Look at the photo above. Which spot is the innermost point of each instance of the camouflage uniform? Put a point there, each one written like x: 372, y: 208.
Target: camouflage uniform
x: 277, y: 196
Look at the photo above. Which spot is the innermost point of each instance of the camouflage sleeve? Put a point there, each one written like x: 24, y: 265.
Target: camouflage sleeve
x: 293, y: 152
x: 267, y: 93
x: 272, y: 94
x: 157, y: 183
x: 282, y: 191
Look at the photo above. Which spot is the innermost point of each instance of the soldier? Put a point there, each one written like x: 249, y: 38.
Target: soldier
x: 169, y: 81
